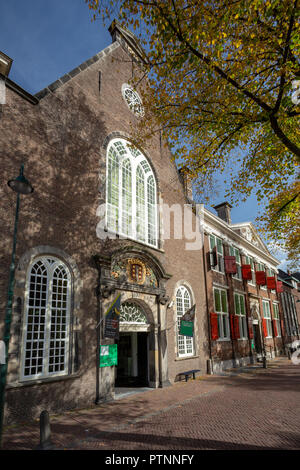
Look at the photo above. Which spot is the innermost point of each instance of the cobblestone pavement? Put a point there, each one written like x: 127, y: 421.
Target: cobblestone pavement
x: 247, y: 409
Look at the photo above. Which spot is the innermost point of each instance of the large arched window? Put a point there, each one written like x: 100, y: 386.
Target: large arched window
x: 185, y: 345
x: 131, y: 193
x: 47, y: 319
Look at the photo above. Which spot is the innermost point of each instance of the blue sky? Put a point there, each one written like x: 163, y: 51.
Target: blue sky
x: 46, y: 39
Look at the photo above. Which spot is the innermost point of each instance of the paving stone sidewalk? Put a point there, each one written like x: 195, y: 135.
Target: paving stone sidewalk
x: 238, y: 410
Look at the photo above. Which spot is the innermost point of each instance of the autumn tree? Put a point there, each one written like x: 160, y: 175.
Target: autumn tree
x: 223, y: 77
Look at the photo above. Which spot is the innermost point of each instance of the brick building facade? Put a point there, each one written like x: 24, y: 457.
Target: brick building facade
x: 245, y: 318
x: 74, y: 138
x: 290, y: 301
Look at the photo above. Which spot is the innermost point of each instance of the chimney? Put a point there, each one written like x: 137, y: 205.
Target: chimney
x: 186, y: 181
x: 223, y: 211
x: 5, y: 64
x: 128, y: 40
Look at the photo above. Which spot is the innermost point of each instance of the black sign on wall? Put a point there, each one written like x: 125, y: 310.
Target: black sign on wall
x: 112, y: 319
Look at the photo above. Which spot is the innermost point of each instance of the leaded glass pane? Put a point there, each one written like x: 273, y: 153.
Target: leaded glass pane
x: 132, y: 313
x: 126, y: 198
x: 140, y: 205
x: 47, y: 319
x: 185, y: 344
x: 131, y: 194
x: 151, y: 199
x: 113, y: 191
x: 36, y: 315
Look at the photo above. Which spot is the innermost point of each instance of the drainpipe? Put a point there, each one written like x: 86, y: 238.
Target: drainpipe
x: 159, y: 344
x: 209, y: 362
x: 248, y: 314
x: 98, y: 332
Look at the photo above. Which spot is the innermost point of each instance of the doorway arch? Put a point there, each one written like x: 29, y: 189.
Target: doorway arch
x: 133, y: 345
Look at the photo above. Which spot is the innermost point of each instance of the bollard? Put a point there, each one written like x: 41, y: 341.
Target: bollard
x: 209, y: 367
x: 264, y: 362
x: 45, y: 432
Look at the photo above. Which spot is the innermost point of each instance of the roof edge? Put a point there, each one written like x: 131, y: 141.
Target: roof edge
x: 68, y: 76
x: 19, y: 90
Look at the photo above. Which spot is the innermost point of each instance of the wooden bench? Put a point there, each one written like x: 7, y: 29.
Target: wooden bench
x: 188, y: 373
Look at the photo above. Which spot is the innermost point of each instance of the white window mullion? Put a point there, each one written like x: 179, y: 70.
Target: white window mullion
x: 133, y: 199
x: 146, y: 210
x: 120, y: 214
x: 48, y: 321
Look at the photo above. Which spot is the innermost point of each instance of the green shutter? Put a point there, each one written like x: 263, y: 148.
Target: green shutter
x: 217, y: 300
x: 237, y: 304
x: 224, y: 301
x: 242, y: 299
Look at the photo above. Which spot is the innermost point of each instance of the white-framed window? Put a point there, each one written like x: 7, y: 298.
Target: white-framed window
x: 240, y: 310
x: 250, y: 261
x: 261, y: 267
x: 46, y: 329
x: 132, y: 99
x: 221, y: 308
x: 131, y: 201
x: 267, y: 317
x: 236, y: 253
x: 216, y: 242
x: 185, y: 344
x: 277, y: 318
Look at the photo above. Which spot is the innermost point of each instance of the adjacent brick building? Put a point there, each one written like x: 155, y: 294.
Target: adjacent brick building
x: 290, y: 301
x: 245, y: 317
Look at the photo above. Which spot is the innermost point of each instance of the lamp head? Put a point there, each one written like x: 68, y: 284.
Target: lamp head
x: 20, y: 184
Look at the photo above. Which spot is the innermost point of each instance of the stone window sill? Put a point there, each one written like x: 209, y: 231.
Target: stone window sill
x: 185, y: 358
x: 47, y: 380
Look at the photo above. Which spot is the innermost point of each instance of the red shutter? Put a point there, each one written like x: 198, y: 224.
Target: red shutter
x: 230, y: 264
x: 214, y: 326
x: 264, y: 325
x: 271, y: 282
x: 246, y: 272
x: 232, y: 326
x: 250, y: 325
x: 275, y: 327
x: 279, y: 287
x: 236, y: 327
x: 260, y: 278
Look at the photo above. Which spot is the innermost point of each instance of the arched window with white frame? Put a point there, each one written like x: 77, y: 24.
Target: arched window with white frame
x: 131, y: 201
x: 185, y: 344
x: 46, y: 329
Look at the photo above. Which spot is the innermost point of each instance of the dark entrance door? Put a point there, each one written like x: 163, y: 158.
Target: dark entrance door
x: 132, y: 369
x: 257, y: 339
x: 142, y: 344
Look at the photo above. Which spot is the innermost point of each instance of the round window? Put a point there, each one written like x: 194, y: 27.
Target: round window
x: 132, y: 99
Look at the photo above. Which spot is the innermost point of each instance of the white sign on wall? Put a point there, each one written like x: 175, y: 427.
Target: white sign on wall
x: 2, y: 353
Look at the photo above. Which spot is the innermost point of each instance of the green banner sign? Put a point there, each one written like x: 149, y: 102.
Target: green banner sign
x: 187, y: 322
x: 186, y: 328
x: 108, y: 355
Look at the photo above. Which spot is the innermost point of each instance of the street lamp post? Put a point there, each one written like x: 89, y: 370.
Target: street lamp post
x: 21, y: 186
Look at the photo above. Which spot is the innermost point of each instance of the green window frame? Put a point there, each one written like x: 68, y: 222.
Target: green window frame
x: 221, y: 308
x: 240, y: 310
